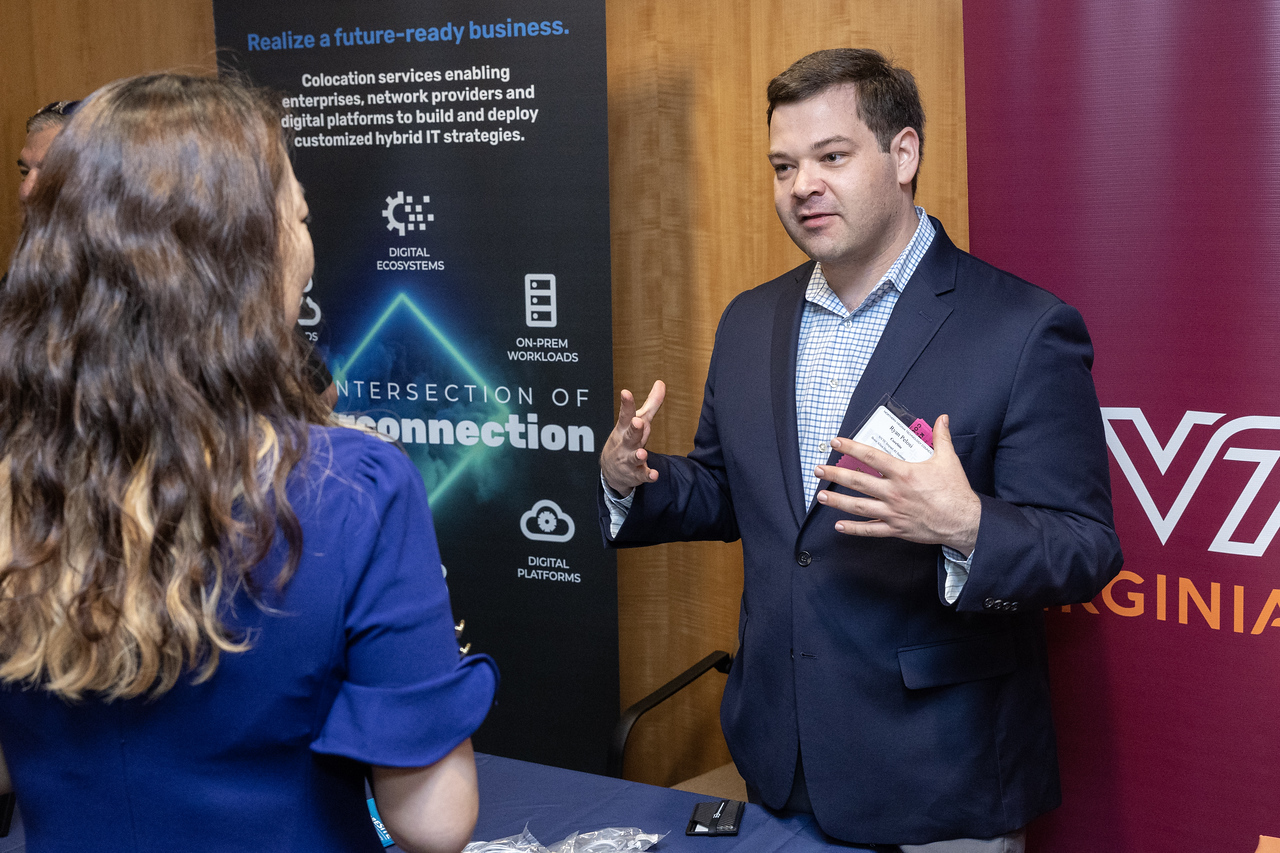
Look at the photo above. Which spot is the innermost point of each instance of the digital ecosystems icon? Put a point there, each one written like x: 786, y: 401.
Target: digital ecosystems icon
x: 412, y: 218
x: 546, y: 522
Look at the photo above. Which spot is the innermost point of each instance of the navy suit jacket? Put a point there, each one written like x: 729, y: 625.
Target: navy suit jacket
x: 918, y: 721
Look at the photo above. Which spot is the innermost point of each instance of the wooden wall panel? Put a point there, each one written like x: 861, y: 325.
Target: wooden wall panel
x: 693, y: 225
x: 64, y: 49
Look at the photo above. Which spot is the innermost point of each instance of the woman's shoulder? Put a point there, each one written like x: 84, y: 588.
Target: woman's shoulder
x: 356, y: 463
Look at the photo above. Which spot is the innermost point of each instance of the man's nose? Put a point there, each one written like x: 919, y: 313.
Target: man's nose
x: 808, y: 182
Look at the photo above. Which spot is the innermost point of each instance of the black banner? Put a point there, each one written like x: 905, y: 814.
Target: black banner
x: 455, y: 161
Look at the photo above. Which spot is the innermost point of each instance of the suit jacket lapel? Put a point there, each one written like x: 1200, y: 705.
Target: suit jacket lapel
x: 916, y: 318
x: 786, y: 336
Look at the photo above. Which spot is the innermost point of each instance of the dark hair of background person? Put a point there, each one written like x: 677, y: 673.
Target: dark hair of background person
x: 888, y: 99
x: 52, y: 115
x: 152, y: 402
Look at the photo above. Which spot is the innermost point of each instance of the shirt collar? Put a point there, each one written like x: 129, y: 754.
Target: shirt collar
x: 820, y: 293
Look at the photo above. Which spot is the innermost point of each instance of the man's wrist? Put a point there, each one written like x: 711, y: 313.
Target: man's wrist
x: 620, y: 494
x: 966, y: 539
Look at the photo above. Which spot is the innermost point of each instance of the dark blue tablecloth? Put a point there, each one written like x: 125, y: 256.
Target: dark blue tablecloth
x: 555, y: 803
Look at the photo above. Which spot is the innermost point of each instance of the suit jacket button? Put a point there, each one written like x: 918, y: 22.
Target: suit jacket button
x: 989, y: 603
x: 804, y: 558
x: 1013, y: 606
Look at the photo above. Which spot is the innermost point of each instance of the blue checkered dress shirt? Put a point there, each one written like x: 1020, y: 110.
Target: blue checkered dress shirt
x: 835, y: 345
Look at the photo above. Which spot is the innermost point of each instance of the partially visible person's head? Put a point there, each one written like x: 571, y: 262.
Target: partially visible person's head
x: 888, y: 99
x: 147, y: 327
x: 41, y: 129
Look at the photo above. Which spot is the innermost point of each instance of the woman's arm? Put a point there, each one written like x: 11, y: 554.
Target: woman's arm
x: 428, y: 809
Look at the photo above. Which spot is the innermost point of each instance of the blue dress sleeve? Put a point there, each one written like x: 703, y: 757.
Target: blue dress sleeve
x: 406, y: 699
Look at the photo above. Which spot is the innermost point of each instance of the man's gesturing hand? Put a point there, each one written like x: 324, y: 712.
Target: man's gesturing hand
x: 928, y: 502
x: 622, y: 462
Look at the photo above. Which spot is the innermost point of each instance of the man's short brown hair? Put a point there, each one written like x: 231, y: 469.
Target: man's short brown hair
x: 888, y: 99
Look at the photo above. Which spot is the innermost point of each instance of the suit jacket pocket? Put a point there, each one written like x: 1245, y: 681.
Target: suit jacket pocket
x: 957, y: 661
x: 964, y: 443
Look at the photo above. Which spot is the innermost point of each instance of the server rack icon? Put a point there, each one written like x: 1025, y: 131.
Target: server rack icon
x: 539, y: 300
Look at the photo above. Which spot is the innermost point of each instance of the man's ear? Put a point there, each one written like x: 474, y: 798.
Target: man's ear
x: 905, y: 149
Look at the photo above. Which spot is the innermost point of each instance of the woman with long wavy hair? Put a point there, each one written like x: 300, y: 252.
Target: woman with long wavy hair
x: 217, y: 614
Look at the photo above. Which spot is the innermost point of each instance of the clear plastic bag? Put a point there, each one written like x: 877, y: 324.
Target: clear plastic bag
x: 613, y: 839
x: 522, y: 843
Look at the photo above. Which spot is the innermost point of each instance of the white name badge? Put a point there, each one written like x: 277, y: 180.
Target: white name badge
x: 884, y: 431
x: 893, y: 430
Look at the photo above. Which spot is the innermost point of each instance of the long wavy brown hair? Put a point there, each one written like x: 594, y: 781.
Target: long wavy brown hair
x: 151, y: 396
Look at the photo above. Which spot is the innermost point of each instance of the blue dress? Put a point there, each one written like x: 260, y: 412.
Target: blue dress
x: 355, y: 664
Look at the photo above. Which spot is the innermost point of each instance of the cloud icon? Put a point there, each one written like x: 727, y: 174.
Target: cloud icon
x: 546, y: 522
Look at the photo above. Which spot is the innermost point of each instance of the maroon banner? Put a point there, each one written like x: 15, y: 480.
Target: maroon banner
x: 1126, y: 156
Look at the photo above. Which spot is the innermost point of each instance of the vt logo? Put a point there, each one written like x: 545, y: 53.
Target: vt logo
x: 1163, y: 456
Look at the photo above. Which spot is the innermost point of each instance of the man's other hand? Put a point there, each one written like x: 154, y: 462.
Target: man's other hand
x: 622, y: 462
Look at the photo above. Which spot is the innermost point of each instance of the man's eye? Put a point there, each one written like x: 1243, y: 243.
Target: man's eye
x: 23, y: 171
x: 780, y: 168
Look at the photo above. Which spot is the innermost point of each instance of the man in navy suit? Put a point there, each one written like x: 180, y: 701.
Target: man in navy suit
x: 891, y: 676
